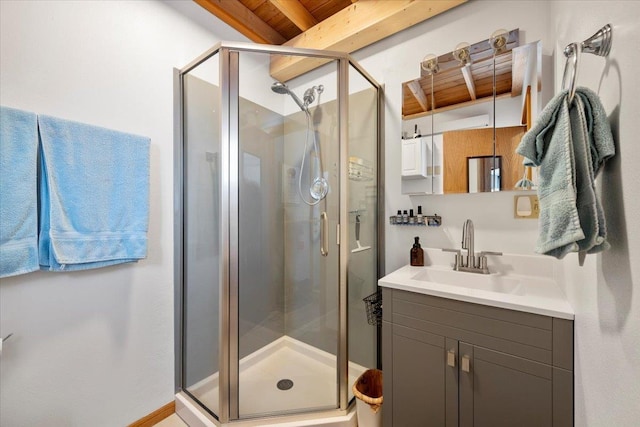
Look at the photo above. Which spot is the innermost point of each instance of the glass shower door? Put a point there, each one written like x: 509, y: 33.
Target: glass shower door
x: 362, y: 272
x: 288, y: 277
x: 201, y: 257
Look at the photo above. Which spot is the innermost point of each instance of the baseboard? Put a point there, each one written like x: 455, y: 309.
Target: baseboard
x: 156, y: 416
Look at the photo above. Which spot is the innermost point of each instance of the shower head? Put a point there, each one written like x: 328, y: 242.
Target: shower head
x: 282, y: 89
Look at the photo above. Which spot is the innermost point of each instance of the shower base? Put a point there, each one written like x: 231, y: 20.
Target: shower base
x: 311, y: 371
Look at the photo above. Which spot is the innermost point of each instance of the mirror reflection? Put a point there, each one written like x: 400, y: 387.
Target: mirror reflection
x: 483, y: 174
x: 475, y: 105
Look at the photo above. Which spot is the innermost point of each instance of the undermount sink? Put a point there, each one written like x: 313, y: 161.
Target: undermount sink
x: 485, y: 282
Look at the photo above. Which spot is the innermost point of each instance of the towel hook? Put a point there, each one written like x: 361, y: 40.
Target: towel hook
x: 598, y: 44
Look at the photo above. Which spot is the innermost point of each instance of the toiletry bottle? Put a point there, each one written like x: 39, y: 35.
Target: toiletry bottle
x: 412, y: 219
x: 419, y: 219
x: 417, y: 254
x: 405, y: 217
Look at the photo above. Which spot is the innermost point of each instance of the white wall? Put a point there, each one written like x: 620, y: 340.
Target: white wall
x: 607, y: 325
x: 95, y: 348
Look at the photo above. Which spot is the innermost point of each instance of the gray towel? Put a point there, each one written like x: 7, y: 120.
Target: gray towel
x: 570, y: 145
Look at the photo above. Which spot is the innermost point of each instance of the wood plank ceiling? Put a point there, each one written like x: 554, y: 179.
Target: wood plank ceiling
x: 338, y: 25
x: 455, y: 84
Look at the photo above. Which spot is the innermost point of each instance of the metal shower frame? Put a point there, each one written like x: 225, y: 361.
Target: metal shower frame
x: 229, y: 228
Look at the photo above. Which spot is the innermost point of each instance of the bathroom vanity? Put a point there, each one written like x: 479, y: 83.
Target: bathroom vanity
x: 468, y: 349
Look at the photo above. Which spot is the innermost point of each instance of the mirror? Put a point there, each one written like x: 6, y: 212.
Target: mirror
x: 466, y: 120
x: 483, y: 174
x: 461, y: 145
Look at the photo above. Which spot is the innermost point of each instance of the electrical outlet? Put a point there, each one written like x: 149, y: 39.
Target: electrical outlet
x: 526, y: 207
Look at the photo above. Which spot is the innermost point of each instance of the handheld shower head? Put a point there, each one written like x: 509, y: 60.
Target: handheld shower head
x: 308, y: 97
x: 319, y: 186
x: 282, y: 89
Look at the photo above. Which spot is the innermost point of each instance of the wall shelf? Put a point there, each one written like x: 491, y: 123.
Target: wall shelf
x: 429, y: 220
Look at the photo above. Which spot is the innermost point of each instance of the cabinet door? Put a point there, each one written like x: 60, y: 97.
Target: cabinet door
x: 422, y: 380
x: 497, y: 389
x: 416, y: 158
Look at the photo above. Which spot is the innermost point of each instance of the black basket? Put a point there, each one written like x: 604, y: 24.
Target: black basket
x: 374, y: 308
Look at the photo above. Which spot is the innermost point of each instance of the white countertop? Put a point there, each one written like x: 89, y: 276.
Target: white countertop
x: 538, y: 294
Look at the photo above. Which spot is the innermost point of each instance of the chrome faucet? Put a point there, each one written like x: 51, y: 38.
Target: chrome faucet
x: 469, y: 263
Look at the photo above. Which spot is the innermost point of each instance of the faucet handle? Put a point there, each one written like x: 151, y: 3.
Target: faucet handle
x: 483, y: 253
x: 458, y: 259
x: 482, y: 260
x: 452, y: 250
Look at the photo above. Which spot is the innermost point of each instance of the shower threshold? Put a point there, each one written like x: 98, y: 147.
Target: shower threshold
x: 284, y: 376
x: 194, y: 416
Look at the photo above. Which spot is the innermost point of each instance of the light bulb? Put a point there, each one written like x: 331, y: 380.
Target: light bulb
x: 498, y: 40
x: 430, y: 64
x: 462, y: 53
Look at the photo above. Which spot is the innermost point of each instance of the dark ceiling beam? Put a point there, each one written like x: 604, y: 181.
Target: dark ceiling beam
x: 242, y: 19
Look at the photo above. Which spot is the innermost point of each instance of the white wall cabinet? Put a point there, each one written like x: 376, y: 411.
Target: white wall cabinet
x: 421, y: 168
x: 415, y: 158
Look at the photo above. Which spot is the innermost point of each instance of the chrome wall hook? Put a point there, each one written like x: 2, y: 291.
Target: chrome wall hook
x: 599, y: 43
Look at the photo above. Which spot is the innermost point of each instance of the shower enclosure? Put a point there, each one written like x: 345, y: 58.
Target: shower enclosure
x: 272, y: 172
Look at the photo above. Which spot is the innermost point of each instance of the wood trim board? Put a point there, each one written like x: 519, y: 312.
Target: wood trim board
x: 156, y: 416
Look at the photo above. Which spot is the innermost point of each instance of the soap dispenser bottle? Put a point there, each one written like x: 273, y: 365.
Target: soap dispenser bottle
x: 417, y: 254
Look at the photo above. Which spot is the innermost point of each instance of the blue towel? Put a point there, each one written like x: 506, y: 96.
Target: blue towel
x: 570, y: 143
x: 94, y: 195
x: 18, y: 192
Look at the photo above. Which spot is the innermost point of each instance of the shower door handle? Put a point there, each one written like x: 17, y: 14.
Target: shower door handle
x: 324, y: 235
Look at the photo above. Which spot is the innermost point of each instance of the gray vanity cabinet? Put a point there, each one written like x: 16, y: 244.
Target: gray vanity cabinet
x: 420, y: 381
x: 450, y: 363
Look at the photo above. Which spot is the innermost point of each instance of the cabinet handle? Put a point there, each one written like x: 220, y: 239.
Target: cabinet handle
x: 451, y: 358
x: 466, y: 364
